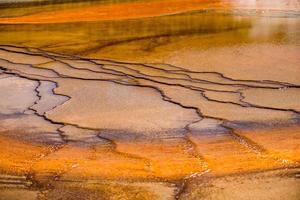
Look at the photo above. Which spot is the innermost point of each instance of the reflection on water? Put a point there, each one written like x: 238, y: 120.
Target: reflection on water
x: 270, y: 4
x: 211, y: 29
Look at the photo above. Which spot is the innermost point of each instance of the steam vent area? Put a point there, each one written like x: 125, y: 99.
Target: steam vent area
x: 150, y: 100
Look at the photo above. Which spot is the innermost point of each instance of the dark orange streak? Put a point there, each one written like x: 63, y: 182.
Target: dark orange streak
x: 117, y: 11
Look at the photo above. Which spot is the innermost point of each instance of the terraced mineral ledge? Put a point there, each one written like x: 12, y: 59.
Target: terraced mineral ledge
x: 165, y: 100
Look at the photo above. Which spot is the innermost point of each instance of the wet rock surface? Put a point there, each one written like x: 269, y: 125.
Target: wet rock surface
x: 109, y: 127
x: 189, y: 103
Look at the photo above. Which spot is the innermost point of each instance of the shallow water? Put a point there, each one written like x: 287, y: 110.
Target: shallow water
x: 149, y: 105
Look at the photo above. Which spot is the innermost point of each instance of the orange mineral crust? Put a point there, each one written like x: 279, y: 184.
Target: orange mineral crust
x: 152, y: 160
x: 116, y: 11
x: 168, y: 159
x: 17, y: 157
x: 143, y: 9
x: 150, y: 100
x: 281, y: 143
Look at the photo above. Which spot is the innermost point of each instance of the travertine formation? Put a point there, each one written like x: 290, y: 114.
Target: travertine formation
x: 145, y: 129
x: 150, y: 99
